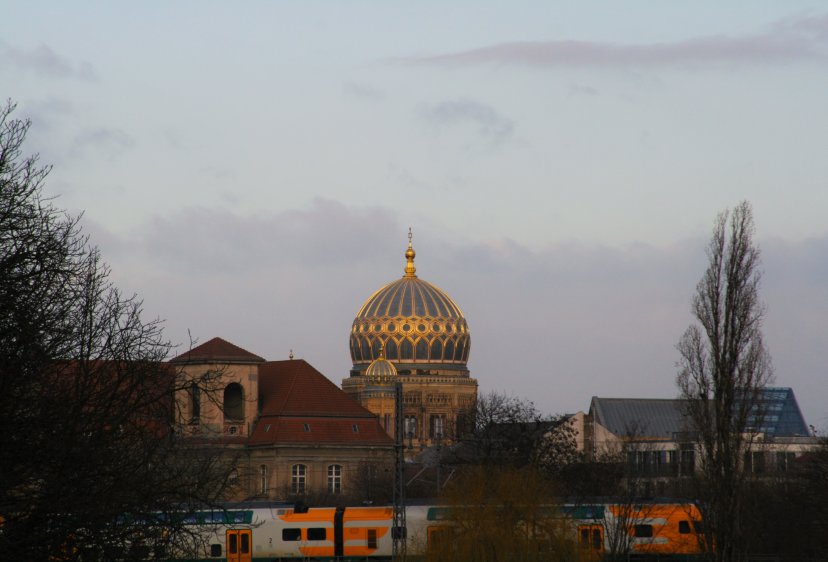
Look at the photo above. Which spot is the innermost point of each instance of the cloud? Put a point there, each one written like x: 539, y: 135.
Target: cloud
x: 788, y: 41
x: 46, y: 113
x: 484, y: 119
x: 363, y: 91
x: 43, y: 61
x: 557, y: 324
x: 111, y: 142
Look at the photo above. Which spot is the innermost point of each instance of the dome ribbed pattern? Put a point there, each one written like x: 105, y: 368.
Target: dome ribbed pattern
x: 415, y: 321
x: 381, y: 371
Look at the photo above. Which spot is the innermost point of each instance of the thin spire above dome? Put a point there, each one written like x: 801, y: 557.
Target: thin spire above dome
x: 410, y: 270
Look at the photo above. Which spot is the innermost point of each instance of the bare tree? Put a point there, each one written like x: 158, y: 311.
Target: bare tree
x: 723, y: 368
x: 90, y: 459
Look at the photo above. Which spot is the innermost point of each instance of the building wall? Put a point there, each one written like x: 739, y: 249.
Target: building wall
x: 213, y: 380
x: 426, y: 399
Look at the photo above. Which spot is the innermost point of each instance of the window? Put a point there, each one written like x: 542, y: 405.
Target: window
x: 755, y: 462
x: 289, y: 535
x: 785, y: 461
x: 372, y: 538
x: 684, y: 527
x: 298, y: 475
x: 317, y: 534
x: 411, y: 426
x: 643, y: 531
x: 233, y: 402
x: 437, y: 426
x: 195, y: 403
x: 232, y: 544
x: 233, y: 479
x: 334, y: 479
x: 307, y: 428
x: 263, y: 480
x: 215, y: 550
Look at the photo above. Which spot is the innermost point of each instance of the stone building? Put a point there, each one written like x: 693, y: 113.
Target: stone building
x: 289, y: 430
x: 415, y: 335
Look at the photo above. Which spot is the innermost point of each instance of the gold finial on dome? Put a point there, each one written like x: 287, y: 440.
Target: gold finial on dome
x: 410, y: 270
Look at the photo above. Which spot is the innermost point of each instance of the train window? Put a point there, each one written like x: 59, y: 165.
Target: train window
x: 215, y: 550
x: 291, y: 534
x: 643, y: 531
x: 596, y: 539
x: 584, y: 538
x: 232, y: 544
x: 245, y: 543
x: 316, y: 534
x: 684, y: 527
x: 372, y: 538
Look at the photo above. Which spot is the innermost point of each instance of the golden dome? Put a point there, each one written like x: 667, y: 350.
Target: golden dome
x: 419, y: 326
x: 381, y: 370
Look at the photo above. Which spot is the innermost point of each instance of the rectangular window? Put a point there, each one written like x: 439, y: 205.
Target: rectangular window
x: 232, y: 544
x: 372, y: 538
x: 317, y: 534
x: 684, y: 527
x: 215, y: 550
x: 411, y: 426
x: 755, y: 462
x: 289, y: 535
x: 597, y: 543
x: 438, y: 424
x: 298, y: 477
x: 334, y: 479
x: 263, y: 480
x: 245, y: 542
x: 643, y: 531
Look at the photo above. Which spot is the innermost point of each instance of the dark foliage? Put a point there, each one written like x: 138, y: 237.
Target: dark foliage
x: 89, y: 456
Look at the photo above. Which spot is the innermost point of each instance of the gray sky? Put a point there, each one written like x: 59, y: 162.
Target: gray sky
x: 251, y: 170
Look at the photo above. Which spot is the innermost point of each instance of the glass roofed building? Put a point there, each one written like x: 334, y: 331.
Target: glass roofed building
x: 410, y: 331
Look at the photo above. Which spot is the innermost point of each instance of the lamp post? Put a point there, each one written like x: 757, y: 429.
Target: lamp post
x: 398, y: 533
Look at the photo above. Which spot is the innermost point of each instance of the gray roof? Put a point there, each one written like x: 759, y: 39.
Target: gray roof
x: 658, y: 418
x: 653, y: 418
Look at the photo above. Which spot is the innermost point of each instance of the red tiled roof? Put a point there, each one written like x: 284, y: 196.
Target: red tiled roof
x: 301, y: 406
x: 295, y: 388
x: 315, y: 431
x: 217, y: 350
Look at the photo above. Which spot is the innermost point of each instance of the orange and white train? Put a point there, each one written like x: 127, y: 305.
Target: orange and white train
x: 278, y: 532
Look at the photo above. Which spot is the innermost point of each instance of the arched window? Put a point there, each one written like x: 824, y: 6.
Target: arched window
x: 406, y: 349
x: 195, y: 403
x: 334, y: 479
x: 298, y: 478
x: 422, y: 350
x: 436, y: 350
x: 449, y: 349
x: 233, y: 402
x: 458, y: 351
x: 263, y: 479
x: 390, y: 349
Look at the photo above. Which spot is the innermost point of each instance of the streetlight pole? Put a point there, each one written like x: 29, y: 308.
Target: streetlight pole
x: 398, y: 532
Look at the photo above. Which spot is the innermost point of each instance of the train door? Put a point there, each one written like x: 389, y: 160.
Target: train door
x: 590, y: 542
x: 239, y: 545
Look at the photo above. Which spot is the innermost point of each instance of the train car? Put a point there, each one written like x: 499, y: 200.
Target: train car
x: 280, y: 532
x: 646, y: 530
